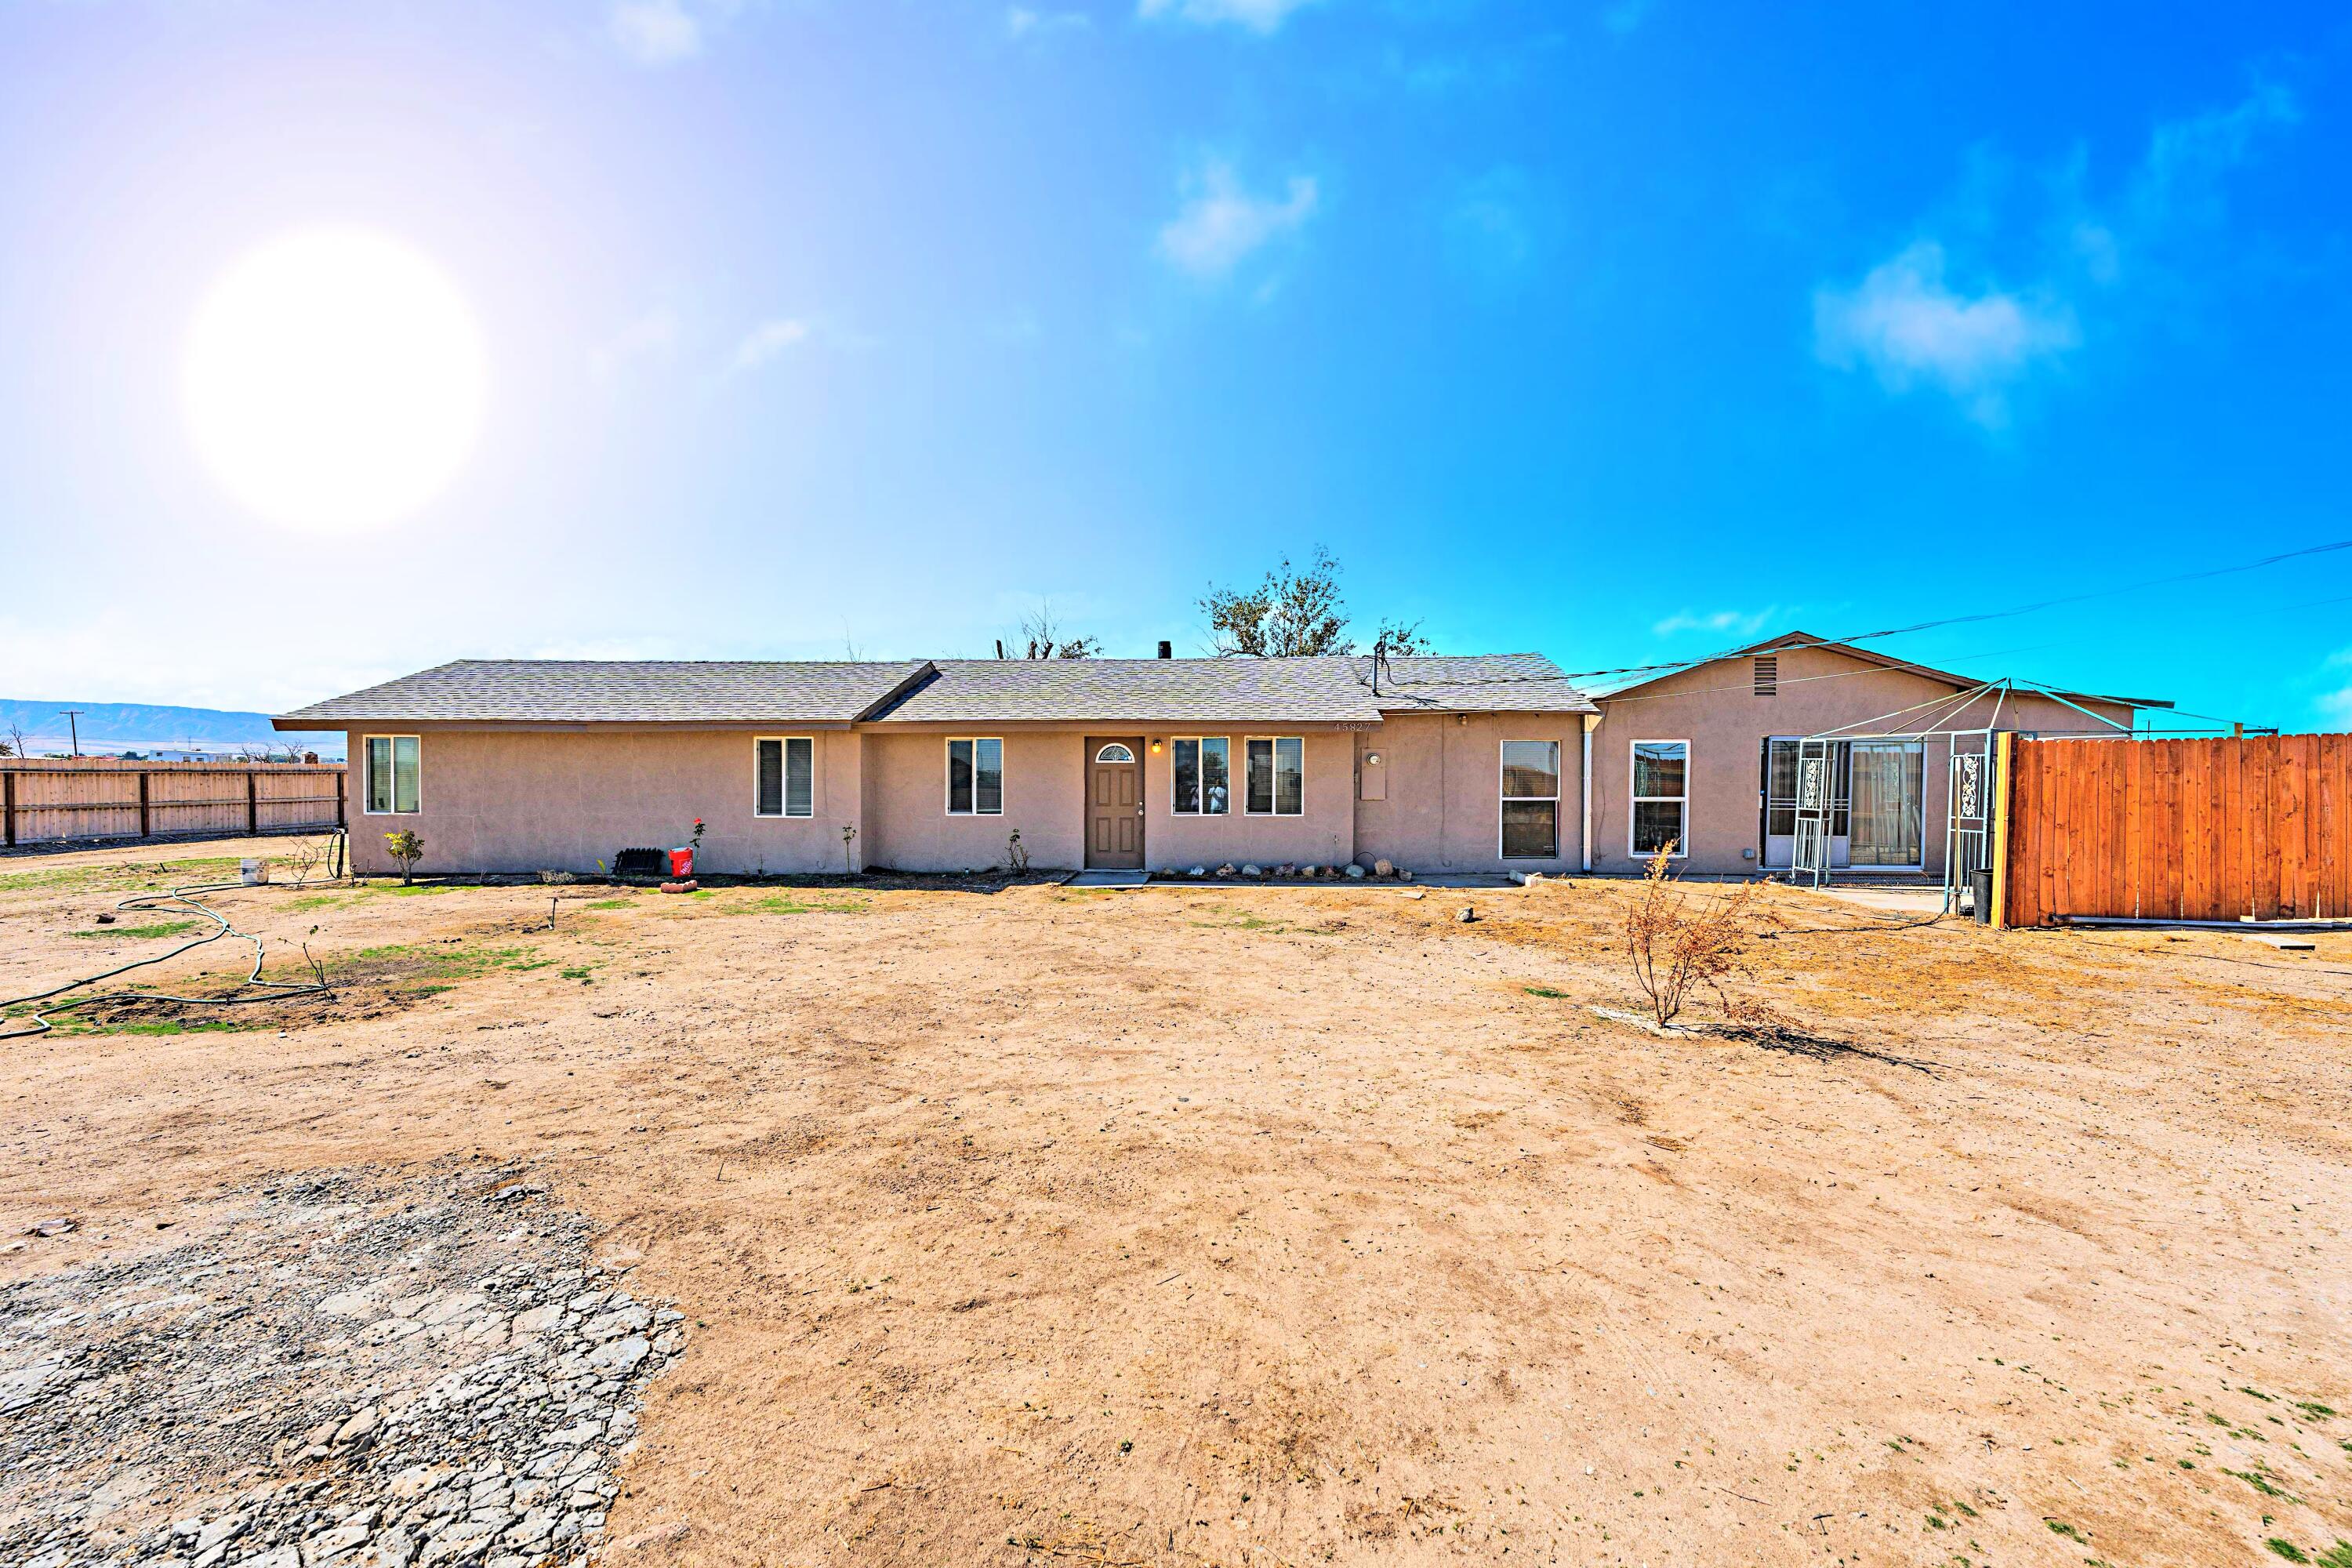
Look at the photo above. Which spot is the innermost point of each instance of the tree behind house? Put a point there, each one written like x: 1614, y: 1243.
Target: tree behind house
x: 1297, y: 614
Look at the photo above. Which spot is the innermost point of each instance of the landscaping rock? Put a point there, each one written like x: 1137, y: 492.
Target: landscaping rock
x: 1383, y: 868
x: 1356, y: 873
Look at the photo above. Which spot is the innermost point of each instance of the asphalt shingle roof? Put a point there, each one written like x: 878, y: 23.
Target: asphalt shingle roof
x: 1337, y: 689
x: 1333, y: 689
x: 652, y: 691
x: 1476, y: 683
x: 1168, y: 690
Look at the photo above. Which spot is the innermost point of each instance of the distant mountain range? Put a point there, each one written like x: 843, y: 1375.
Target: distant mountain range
x: 111, y: 729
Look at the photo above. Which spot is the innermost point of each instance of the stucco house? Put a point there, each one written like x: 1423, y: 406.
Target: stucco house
x: 1484, y: 762
x: 1706, y: 754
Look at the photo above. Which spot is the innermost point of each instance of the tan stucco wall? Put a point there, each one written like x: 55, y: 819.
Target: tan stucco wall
x: 1714, y: 707
x: 1323, y: 834
x: 1046, y: 771
x: 1444, y: 810
x: 908, y: 827
x: 533, y: 800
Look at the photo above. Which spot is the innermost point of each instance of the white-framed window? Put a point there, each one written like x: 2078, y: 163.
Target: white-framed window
x: 1661, y: 793
x: 1274, y: 781
x: 976, y: 776
x: 785, y: 775
x: 1200, y: 779
x: 394, y: 782
x: 1531, y: 800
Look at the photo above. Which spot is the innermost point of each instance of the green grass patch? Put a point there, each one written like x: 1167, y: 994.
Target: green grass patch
x: 791, y: 903
x: 432, y: 961
x: 121, y: 876
x: 75, y: 1023
x: 2338, y: 1556
x: 1545, y: 991
x: 2312, y: 1410
x: 2261, y: 1484
x: 2286, y: 1549
x: 140, y: 934
x: 583, y: 972
x: 613, y: 904
x: 2060, y: 1526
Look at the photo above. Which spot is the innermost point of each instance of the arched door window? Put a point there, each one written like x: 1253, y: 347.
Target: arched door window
x: 1114, y: 752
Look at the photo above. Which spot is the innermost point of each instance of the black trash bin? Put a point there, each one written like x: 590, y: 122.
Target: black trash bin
x: 1981, y: 895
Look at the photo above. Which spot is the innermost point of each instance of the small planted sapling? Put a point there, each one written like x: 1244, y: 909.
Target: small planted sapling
x: 408, y: 849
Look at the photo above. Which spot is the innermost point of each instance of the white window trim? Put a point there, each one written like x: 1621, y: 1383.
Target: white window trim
x: 1559, y: 752
x: 367, y: 762
x: 1202, y: 809
x: 947, y: 776
x: 783, y: 778
x: 1633, y: 750
x: 1276, y: 740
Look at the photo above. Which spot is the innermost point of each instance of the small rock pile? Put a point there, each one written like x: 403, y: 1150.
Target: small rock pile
x: 348, y: 1373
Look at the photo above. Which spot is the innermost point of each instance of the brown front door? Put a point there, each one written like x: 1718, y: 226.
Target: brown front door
x: 1115, y: 804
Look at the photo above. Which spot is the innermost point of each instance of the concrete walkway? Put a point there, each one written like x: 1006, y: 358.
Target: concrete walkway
x: 1138, y: 879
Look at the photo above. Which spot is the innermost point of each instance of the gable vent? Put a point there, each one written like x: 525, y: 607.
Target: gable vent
x: 1767, y: 675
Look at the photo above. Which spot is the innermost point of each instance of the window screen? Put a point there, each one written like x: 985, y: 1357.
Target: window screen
x: 1531, y: 800
x: 787, y: 770
x: 1661, y: 797
x: 393, y: 773
x: 976, y: 778
x: 1199, y: 786
x: 1274, y: 778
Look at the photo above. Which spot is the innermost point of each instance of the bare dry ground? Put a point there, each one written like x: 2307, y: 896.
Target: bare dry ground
x: 1191, y: 1226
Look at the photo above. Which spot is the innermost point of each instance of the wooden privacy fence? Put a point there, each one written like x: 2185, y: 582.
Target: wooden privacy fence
x: 2252, y: 828
x: 47, y: 801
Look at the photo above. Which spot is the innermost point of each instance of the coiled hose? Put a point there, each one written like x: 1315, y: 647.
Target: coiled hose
x: 178, y: 899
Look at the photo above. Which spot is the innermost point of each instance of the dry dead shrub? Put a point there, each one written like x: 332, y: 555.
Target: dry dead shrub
x: 1676, y: 948
x: 304, y: 856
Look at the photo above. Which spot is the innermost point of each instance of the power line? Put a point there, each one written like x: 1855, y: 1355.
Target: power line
x: 2034, y: 608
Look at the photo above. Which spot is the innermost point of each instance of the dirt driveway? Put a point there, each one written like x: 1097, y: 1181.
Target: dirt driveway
x: 1181, y: 1226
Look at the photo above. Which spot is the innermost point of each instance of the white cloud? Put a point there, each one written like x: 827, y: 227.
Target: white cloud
x: 769, y: 339
x: 1746, y: 622
x: 1221, y: 224
x: 1910, y: 327
x: 652, y: 335
x: 654, y: 32
x: 1024, y: 22
x: 1257, y: 16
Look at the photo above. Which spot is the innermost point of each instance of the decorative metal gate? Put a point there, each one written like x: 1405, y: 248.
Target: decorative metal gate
x: 1810, y: 862
x: 1968, y: 834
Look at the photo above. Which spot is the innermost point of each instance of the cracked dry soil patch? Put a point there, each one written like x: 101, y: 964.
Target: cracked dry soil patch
x: 344, y: 1368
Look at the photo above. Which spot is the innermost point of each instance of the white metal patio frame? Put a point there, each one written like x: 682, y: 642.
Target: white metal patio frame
x: 1971, y: 785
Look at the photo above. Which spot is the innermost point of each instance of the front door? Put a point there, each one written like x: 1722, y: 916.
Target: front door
x: 1115, y: 804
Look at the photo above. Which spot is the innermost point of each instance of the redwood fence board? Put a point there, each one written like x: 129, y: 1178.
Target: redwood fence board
x: 2257, y: 827
x: 51, y: 800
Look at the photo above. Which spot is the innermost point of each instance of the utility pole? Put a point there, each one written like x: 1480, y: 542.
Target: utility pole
x: 73, y: 726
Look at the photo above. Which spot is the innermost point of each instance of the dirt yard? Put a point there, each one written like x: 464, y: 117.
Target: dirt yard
x: 1287, y: 1226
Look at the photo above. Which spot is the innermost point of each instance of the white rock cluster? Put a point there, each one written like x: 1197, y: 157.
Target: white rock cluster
x: 348, y: 1377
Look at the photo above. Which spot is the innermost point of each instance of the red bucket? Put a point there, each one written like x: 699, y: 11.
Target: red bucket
x: 681, y: 864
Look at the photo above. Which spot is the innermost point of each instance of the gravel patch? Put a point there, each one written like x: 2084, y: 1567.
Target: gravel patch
x: 352, y: 1370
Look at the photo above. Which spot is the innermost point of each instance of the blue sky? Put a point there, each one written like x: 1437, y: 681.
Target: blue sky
x: 1621, y: 332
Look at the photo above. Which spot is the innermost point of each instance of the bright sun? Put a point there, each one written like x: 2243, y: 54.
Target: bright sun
x: 335, y: 380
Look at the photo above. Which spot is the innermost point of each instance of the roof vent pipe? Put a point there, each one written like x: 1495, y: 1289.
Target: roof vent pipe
x: 1167, y: 648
